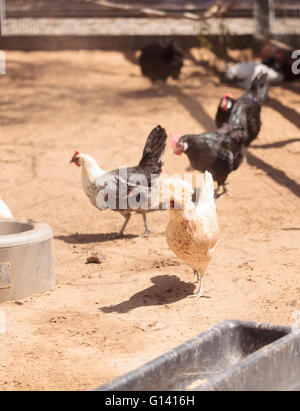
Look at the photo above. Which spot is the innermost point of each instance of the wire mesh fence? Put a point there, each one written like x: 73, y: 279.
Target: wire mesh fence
x: 96, y: 8
x: 288, y: 24
x: 96, y: 18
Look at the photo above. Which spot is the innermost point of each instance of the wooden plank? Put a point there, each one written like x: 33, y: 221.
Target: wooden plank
x: 2, y: 15
x: 197, y: 9
x: 261, y: 14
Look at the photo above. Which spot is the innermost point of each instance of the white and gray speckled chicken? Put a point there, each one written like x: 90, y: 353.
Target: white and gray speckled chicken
x: 243, y: 74
x: 192, y: 232
x: 115, y: 189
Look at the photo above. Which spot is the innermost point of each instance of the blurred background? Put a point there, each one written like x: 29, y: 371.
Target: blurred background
x: 32, y: 24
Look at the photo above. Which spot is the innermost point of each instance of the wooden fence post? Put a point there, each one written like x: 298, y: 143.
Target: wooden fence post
x: 2, y: 15
x: 263, y: 15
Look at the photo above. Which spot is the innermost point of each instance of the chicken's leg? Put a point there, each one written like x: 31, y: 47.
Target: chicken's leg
x: 225, y: 191
x: 200, y: 292
x: 147, y: 231
x: 127, y: 218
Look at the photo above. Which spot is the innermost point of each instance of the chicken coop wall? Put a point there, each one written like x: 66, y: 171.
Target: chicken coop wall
x: 53, y: 24
x: 287, y: 27
x: 279, y: 19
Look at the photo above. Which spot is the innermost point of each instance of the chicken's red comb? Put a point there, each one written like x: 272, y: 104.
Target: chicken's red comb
x: 228, y: 95
x: 74, y: 160
x: 75, y: 154
x: 174, y: 140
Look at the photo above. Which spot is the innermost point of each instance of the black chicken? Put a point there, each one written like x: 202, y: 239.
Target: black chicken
x: 133, y: 183
x: 224, y: 109
x: 246, y: 110
x: 220, y: 152
x: 160, y: 60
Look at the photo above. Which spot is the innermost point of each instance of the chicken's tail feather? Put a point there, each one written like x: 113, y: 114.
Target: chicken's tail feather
x: 153, y: 151
x: 260, y: 86
x: 207, y: 193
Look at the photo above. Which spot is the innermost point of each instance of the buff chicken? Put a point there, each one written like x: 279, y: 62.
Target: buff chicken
x: 192, y: 232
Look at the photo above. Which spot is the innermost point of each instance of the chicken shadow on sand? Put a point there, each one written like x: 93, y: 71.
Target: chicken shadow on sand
x: 190, y: 103
x: 93, y: 238
x: 158, y: 90
x: 277, y: 144
x: 292, y: 86
x: 166, y: 289
x: 287, y: 112
x: 193, y: 106
x: 276, y: 174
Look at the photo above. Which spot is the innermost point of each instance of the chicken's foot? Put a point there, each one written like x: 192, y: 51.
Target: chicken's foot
x: 225, y: 191
x: 199, y: 294
x: 127, y: 218
x: 147, y: 231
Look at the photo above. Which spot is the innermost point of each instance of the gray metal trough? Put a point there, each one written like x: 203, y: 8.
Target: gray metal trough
x: 26, y: 259
x: 233, y: 356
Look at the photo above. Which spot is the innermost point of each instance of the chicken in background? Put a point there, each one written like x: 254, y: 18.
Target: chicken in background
x: 160, y: 60
x: 283, y: 62
x: 242, y: 74
x: 224, y: 109
x: 100, y: 185
x: 278, y: 56
x: 247, y: 108
x: 220, y: 152
x: 192, y: 232
x: 275, y: 60
x: 4, y: 210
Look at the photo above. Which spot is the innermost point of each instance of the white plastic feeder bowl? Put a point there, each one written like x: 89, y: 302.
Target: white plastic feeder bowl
x: 26, y: 259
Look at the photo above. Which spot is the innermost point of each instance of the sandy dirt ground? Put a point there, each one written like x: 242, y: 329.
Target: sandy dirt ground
x: 103, y: 320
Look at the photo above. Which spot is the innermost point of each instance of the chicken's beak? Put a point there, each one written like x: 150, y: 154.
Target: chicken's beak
x: 178, y: 151
x: 75, y: 161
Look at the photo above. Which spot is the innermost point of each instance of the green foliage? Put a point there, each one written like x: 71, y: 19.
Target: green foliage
x: 204, y: 30
x: 219, y: 45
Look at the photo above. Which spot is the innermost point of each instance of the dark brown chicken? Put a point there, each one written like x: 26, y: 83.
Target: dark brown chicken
x: 224, y: 109
x: 220, y: 152
x: 246, y: 110
x: 160, y: 60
